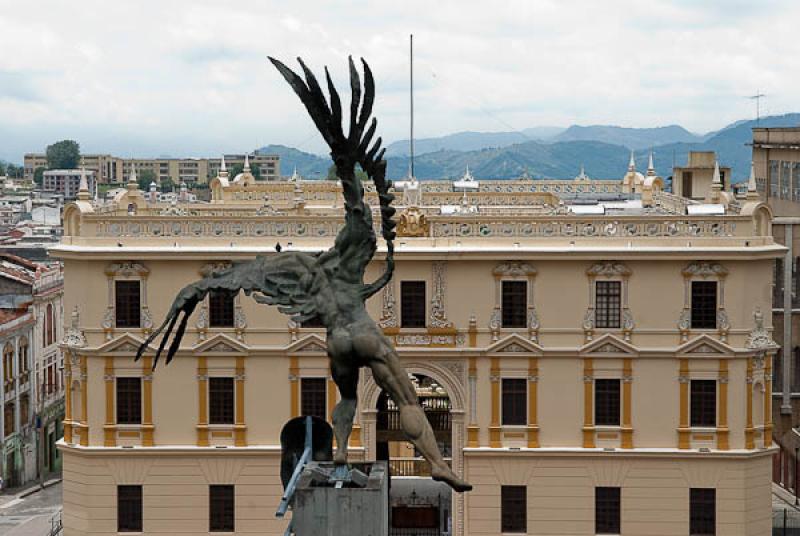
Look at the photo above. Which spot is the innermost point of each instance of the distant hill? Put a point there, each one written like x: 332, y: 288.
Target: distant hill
x: 471, y: 141
x: 632, y: 138
x: 561, y: 160
x: 310, y: 166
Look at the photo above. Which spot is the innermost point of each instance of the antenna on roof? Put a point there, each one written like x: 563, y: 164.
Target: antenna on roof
x: 757, y: 97
x: 411, y: 102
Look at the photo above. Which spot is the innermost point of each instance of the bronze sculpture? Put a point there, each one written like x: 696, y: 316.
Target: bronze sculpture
x: 330, y: 285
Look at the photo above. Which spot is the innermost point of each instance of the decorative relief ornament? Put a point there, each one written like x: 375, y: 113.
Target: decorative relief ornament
x: 412, y: 222
x: 128, y: 269
x: 759, y: 338
x: 388, y: 310
x: 705, y: 269
x: 495, y: 322
x: 438, y: 317
x: 514, y: 268
x: 74, y: 337
x: 609, y: 269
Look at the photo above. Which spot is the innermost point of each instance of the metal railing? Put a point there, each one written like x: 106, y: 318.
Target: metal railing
x: 56, y: 525
x: 786, y: 522
x: 390, y: 420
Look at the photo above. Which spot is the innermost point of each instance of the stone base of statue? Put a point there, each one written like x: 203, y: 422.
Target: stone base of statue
x: 335, y: 500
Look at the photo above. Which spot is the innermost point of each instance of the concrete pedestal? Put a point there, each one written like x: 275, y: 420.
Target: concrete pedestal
x: 359, y: 507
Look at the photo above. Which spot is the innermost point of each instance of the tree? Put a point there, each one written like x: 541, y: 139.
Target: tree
x: 167, y: 185
x: 238, y: 168
x: 144, y: 178
x: 2, y: 168
x: 38, y: 176
x: 14, y: 171
x: 65, y: 154
x: 360, y: 174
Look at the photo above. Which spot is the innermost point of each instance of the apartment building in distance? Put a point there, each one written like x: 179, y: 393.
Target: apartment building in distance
x: 524, y: 311
x: 66, y: 182
x: 116, y: 170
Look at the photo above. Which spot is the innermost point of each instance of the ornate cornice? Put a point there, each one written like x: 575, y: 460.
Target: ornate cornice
x: 704, y: 269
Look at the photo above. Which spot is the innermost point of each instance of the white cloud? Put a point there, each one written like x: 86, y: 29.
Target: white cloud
x: 190, y: 77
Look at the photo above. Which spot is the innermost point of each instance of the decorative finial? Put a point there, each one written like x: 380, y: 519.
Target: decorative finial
x: 246, y: 163
x: 83, y: 187
x: 716, y: 181
x: 632, y: 163
x: 222, y: 166
x: 752, y: 187
x: 651, y: 169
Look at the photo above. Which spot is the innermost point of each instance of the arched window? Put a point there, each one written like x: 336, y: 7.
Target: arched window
x: 23, y: 356
x: 8, y: 362
x: 49, y: 325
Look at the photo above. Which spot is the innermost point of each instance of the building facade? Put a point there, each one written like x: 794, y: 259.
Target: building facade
x: 110, y: 169
x: 67, y: 181
x: 602, y: 370
x: 30, y: 305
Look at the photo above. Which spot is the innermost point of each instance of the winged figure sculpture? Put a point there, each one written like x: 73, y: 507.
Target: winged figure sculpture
x: 329, y: 285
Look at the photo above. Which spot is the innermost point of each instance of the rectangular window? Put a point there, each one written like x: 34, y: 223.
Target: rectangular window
x: 704, y: 403
x: 515, y: 401
x: 129, y: 508
x: 220, y: 400
x: 686, y: 185
x: 607, y: 304
x: 513, y: 509
x: 514, y: 304
x: 129, y: 400
x: 221, y: 508
x: 412, y: 304
x: 220, y: 308
x: 127, y: 304
x: 606, y: 402
x: 702, y: 512
x: 704, y: 304
x: 313, y: 397
x: 607, y: 510
x: 773, y: 178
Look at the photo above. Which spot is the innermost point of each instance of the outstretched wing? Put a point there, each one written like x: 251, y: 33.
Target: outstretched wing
x: 287, y: 280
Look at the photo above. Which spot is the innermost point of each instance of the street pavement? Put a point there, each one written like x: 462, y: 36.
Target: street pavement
x: 31, y: 515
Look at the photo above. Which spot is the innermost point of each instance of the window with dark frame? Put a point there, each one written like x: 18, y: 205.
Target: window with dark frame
x: 514, y: 304
x: 513, y: 509
x: 220, y: 400
x: 606, y: 402
x: 702, y: 512
x: 129, y: 401
x: 221, y: 508
x: 515, y: 401
x: 607, y: 304
x: 127, y: 304
x: 221, y: 308
x: 703, y: 403
x: 129, y: 508
x: 412, y: 304
x: 704, y: 305
x: 313, y: 397
x: 607, y: 511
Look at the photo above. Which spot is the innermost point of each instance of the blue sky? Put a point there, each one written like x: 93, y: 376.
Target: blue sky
x: 190, y: 78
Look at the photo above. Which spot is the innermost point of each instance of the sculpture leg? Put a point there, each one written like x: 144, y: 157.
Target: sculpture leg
x: 392, y: 378
x: 346, y: 379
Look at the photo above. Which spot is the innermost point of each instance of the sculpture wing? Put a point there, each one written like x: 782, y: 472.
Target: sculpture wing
x: 288, y: 280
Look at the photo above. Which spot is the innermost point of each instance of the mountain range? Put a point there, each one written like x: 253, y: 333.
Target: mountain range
x: 549, y: 152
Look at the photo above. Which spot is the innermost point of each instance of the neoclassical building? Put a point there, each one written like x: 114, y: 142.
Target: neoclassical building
x: 593, y: 355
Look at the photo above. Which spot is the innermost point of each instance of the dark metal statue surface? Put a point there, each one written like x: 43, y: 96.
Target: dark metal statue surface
x: 330, y: 285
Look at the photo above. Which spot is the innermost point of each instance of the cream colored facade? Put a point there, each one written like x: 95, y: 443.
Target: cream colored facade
x: 115, y: 170
x: 463, y: 245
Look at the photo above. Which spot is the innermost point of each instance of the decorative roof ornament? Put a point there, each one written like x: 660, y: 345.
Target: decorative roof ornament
x: 133, y: 181
x: 651, y: 169
x: 295, y: 176
x: 246, y: 163
x: 83, y: 188
x: 582, y: 176
x: 467, y: 176
x: 632, y: 163
x: 223, y: 169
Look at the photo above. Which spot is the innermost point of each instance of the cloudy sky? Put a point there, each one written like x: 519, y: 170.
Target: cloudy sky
x: 191, y: 78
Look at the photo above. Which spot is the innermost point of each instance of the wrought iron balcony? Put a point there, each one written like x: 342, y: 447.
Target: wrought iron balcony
x: 412, y: 466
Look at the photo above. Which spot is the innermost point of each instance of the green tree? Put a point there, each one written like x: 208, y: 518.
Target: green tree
x: 2, y: 168
x: 144, y: 178
x: 167, y: 185
x: 255, y: 170
x: 38, y: 176
x: 14, y: 171
x: 360, y: 174
x: 65, y: 154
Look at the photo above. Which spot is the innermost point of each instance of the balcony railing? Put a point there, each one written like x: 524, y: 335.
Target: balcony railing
x: 412, y: 466
x: 438, y: 419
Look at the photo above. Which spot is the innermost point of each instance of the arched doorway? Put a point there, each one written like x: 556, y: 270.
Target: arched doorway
x: 419, y: 506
